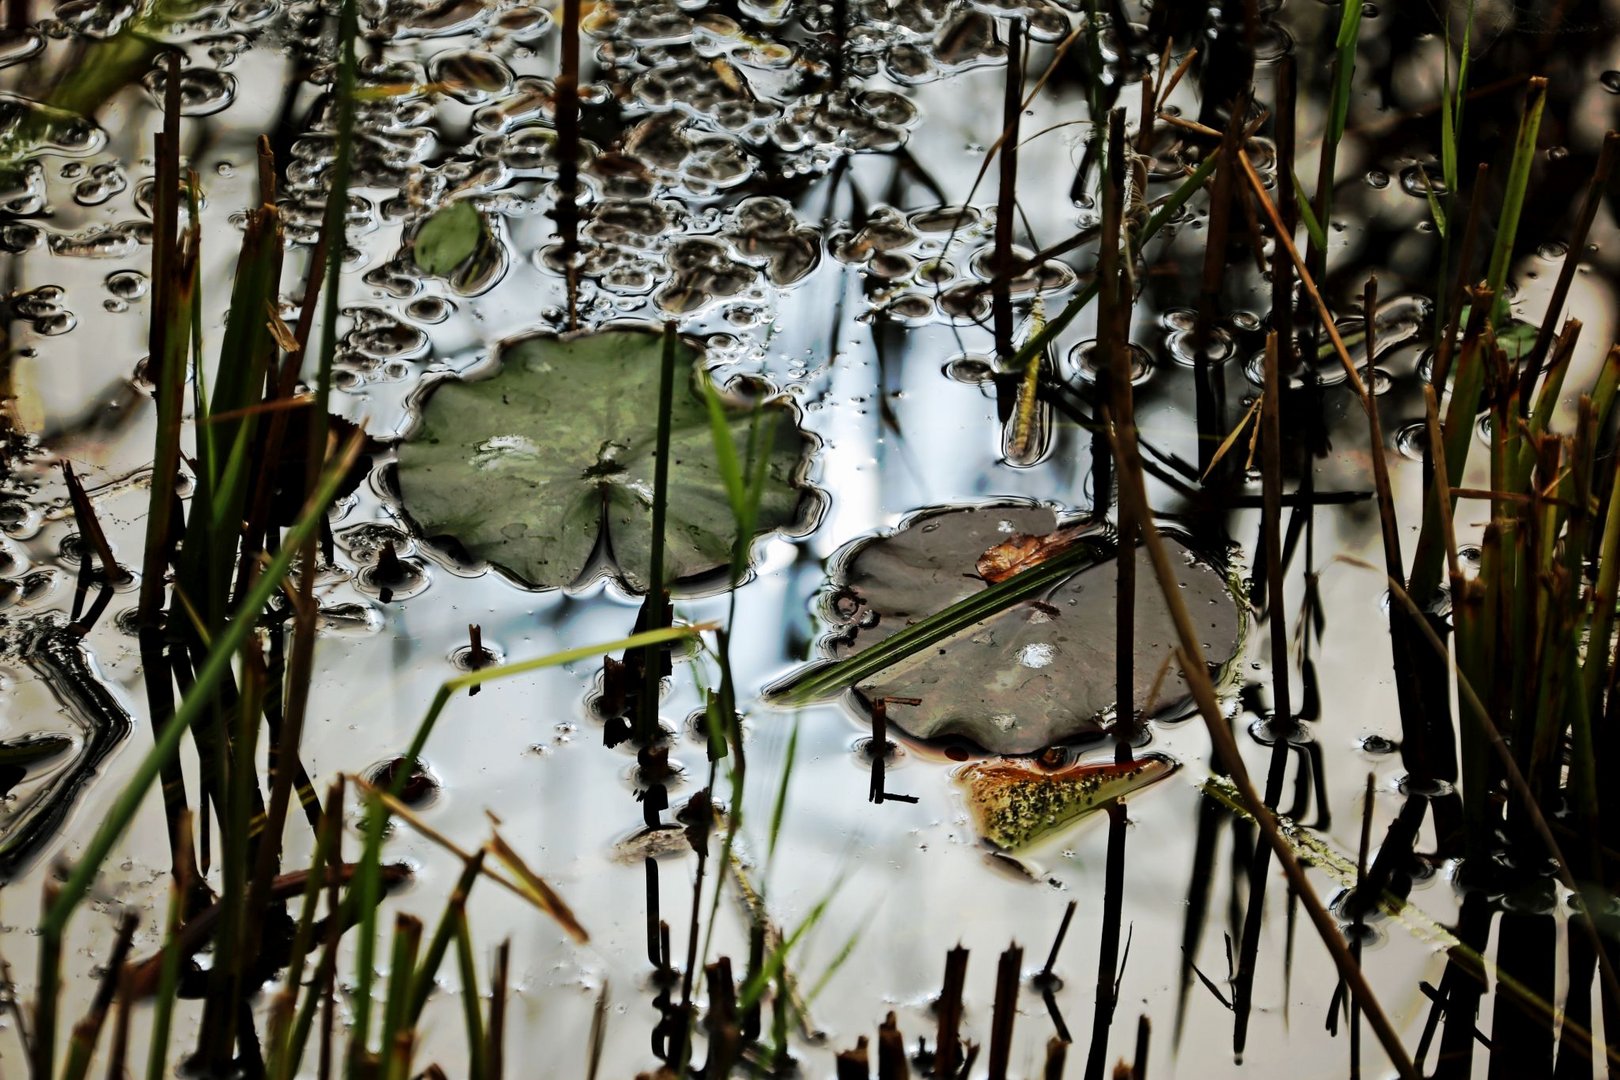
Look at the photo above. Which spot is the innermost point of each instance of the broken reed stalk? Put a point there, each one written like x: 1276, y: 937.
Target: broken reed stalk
x: 947, y: 1043
x: 1271, y: 531
x: 1362, y: 850
x: 87, y: 1032
x: 1196, y: 669
x: 892, y: 1051
x: 1113, y: 330
x: 1415, y: 741
x: 1209, y: 396
x: 1106, y: 996
x: 1008, y: 975
x: 853, y: 1064
x: 1282, y: 277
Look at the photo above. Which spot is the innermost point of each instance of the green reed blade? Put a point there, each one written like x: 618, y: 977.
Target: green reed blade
x: 829, y: 679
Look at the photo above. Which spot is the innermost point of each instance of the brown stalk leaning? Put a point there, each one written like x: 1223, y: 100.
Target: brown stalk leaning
x: 1008, y: 976
x: 947, y: 1044
x: 1406, y: 686
x: 1196, y: 669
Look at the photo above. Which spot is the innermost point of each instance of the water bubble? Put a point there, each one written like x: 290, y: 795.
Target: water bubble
x: 126, y: 284
x: 1610, y: 80
x: 203, y: 91
x: 970, y: 369
x: 364, y: 542
x: 1088, y: 360
x: 910, y: 307
x: 44, y: 308
x: 488, y: 655
x: 1420, y: 180
x: 1377, y: 178
x: 1181, y: 319
x: 1412, y: 440
x: 351, y: 618
x: 430, y: 309
x: 1376, y: 378
x: 421, y: 786
x: 1184, y: 349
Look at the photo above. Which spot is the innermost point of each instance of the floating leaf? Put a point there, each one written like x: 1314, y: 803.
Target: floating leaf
x: 449, y: 238
x: 529, y: 468
x: 1017, y: 803
x: 1034, y: 673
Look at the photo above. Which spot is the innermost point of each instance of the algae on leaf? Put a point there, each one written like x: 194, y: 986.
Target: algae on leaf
x: 527, y: 468
x: 1015, y: 804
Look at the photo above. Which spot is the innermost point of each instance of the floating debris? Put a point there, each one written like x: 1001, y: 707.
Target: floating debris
x: 1018, y: 803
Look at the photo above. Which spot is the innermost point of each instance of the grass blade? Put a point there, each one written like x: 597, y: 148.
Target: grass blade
x: 828, y: 679
x: 1518, y: 181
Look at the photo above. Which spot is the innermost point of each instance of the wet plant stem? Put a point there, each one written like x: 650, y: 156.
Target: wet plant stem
x: 656, y: 605
x: 1007, y: 192
x: 567, y: 111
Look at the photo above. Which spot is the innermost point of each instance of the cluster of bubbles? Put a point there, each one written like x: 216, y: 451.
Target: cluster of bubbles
x: 940, y: 261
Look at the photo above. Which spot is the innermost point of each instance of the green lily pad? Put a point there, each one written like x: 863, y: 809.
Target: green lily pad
x: 449, y: 238
x: 529, y: 468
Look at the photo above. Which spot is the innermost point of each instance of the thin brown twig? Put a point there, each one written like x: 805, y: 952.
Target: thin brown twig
x: 1196, y: 669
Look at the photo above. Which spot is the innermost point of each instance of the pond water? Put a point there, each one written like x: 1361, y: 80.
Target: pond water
x: 791, y: 196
